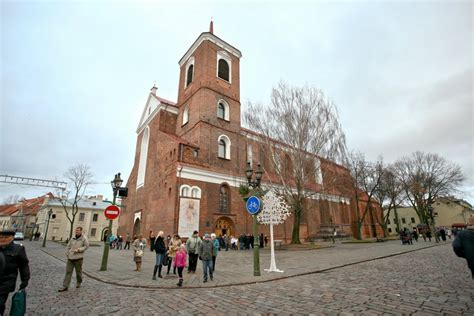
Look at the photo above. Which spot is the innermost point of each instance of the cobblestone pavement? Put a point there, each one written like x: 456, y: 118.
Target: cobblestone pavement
x: 429, y: 281
x: 294, y: 263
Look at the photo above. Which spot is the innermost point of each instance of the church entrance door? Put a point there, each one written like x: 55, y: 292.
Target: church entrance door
x: 224, y: 226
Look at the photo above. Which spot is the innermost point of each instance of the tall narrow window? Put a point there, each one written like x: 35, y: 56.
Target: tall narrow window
x: 223, y: 150
x: 143, y: 158
x: 224, y: 199
x: 249, y: 154
x: 221, y: 111
x: 186, y: 115
x: 189, y: 78
x: 223, y: 71
x: 318, y: 175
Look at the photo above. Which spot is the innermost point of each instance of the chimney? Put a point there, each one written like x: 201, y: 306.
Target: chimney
x: 211, y: 27
x: 154, y: 89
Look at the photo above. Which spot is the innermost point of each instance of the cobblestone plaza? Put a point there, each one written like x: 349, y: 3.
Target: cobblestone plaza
x: 377, y: 278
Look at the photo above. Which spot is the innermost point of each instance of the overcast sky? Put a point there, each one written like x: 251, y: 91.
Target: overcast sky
x: 76, y: 75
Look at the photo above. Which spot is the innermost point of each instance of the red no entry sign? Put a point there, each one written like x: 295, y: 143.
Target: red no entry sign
x: 112, y: 212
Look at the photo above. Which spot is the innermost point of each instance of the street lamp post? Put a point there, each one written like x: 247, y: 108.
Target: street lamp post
x: 116, y: 183
x: 255, y: 184
x: 50, y: 212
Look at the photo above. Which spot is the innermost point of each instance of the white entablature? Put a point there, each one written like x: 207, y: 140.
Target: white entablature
x: 152, y: 106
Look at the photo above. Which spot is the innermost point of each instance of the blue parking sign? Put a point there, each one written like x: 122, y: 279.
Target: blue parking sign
x: 253, y: 205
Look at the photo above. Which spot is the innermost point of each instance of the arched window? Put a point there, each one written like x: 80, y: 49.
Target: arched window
x: 189, y: 75
x: 223, y: 71
x: 189, y: 72
x: 143, y: 158
x: 223, y: 150
x: 185, y: 190
x: 196, y: 192
x: 224, y: 198
x: 223, y: 110
x: 186, y: 115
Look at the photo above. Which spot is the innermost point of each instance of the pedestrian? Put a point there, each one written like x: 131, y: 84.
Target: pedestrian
x: 160, y: 250
x: 261, y: 241
x: 12, y: 259
x: 233, y: 242
x: 192, y: 248
x: 449, y: 233
x: 415, y: 235
x: 75, y: 256
x: 139, y: 245
x: 428, y: 235
x: 180, y: 262
x: 152, y: 240
x: 463, y: 245
x: 266, y: 240
x: 206, y: 252
x: 128, y: 239
x: 215, y: 242
x: 226, y: 243
x: 251, y: 241
x: 119, y: 243
x: 241, y: 242
x: 442, y: 233
x: 172, y: 249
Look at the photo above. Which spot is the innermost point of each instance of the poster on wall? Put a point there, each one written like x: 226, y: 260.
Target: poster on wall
x: 188, y: 216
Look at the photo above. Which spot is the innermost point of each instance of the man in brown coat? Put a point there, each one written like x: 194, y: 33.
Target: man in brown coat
x: 75, y: 255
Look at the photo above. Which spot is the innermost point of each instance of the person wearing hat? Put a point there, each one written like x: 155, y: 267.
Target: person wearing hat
x: 12, y: 259
x: 463, y: 245
x: 206, y: 252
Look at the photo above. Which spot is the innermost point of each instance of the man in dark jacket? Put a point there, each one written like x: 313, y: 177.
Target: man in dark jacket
x: 463, y: 245
x: 206, y: 252
x: 12, y: 259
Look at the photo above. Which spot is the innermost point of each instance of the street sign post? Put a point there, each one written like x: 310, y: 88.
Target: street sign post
x: 112, y: 212
x: 253, y: 205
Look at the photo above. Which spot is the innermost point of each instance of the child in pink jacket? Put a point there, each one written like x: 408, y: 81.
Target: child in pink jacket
x: 180, y: 262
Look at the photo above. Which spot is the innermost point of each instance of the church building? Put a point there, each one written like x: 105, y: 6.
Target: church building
x: 191, y: 158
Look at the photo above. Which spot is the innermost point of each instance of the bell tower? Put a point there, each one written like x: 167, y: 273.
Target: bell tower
x: 209, y: 85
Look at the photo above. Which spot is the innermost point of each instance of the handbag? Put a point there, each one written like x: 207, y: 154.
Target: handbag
x: 165, y: 259
x: 18, y: 303
x: 139, y: 253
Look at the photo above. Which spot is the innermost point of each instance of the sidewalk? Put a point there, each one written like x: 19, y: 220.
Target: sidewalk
x: 232, y: 267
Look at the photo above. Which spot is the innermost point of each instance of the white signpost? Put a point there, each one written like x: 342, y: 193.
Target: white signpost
x: 275, y: 211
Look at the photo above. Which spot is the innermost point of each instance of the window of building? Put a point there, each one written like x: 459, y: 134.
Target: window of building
x: 250, y: 155
x: 81, y: 217
x: 413, y: 220
x: 318, y: 175
x: 185, y: 190
x: 93, y: 232
x: 143, y: 158
x: 403, y: 220
x: 388, y: 221
x: 223, y: 72
x: 95, y: 217
x: 189, y: 72
x: 189, y: 78
x: 223, y: 110
x: 223, y: 147
x: 389, y: 230
x: 196, y: 193
x: 224, y: 199
x: 396, y: 229
x: 186, y: 115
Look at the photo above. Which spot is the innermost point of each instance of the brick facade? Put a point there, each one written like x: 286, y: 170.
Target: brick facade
x: 187, y: 154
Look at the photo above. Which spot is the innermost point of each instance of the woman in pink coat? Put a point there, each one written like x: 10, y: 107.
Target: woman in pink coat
x: 180, y: 262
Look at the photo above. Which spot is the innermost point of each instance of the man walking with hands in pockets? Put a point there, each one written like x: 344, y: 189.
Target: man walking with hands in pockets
x: 75, y: 255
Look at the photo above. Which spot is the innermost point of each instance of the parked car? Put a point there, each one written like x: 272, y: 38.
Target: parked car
x: 19, y: 236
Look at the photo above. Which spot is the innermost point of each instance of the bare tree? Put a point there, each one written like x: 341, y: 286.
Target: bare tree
x: 79, y: 178
x: 299, y: 129
x: 426, y: 177
x: 389, y: 196
x: 12, y: 199
x: 367, y: 177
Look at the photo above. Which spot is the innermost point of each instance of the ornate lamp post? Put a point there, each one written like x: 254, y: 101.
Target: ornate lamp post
x: 115, y: 183
x: 50, y: 212
x: 255, y: 184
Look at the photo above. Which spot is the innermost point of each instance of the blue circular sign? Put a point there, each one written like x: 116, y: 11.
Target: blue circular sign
x: 253, y: 205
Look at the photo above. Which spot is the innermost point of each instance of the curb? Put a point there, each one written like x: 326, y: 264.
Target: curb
x: 152, y: 287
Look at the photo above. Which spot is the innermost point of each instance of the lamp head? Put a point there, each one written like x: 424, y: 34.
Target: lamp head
x: 249, y: 172
x: 117, y: 182
x: 259, y: 173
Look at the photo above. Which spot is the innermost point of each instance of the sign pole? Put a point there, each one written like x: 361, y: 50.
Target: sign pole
x: 105, y: 255
x: 256, y: 250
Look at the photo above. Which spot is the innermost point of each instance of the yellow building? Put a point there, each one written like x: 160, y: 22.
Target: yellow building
x: 447, y: 211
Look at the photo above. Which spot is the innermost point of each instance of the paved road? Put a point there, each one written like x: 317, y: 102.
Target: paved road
x: 429, y: 281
